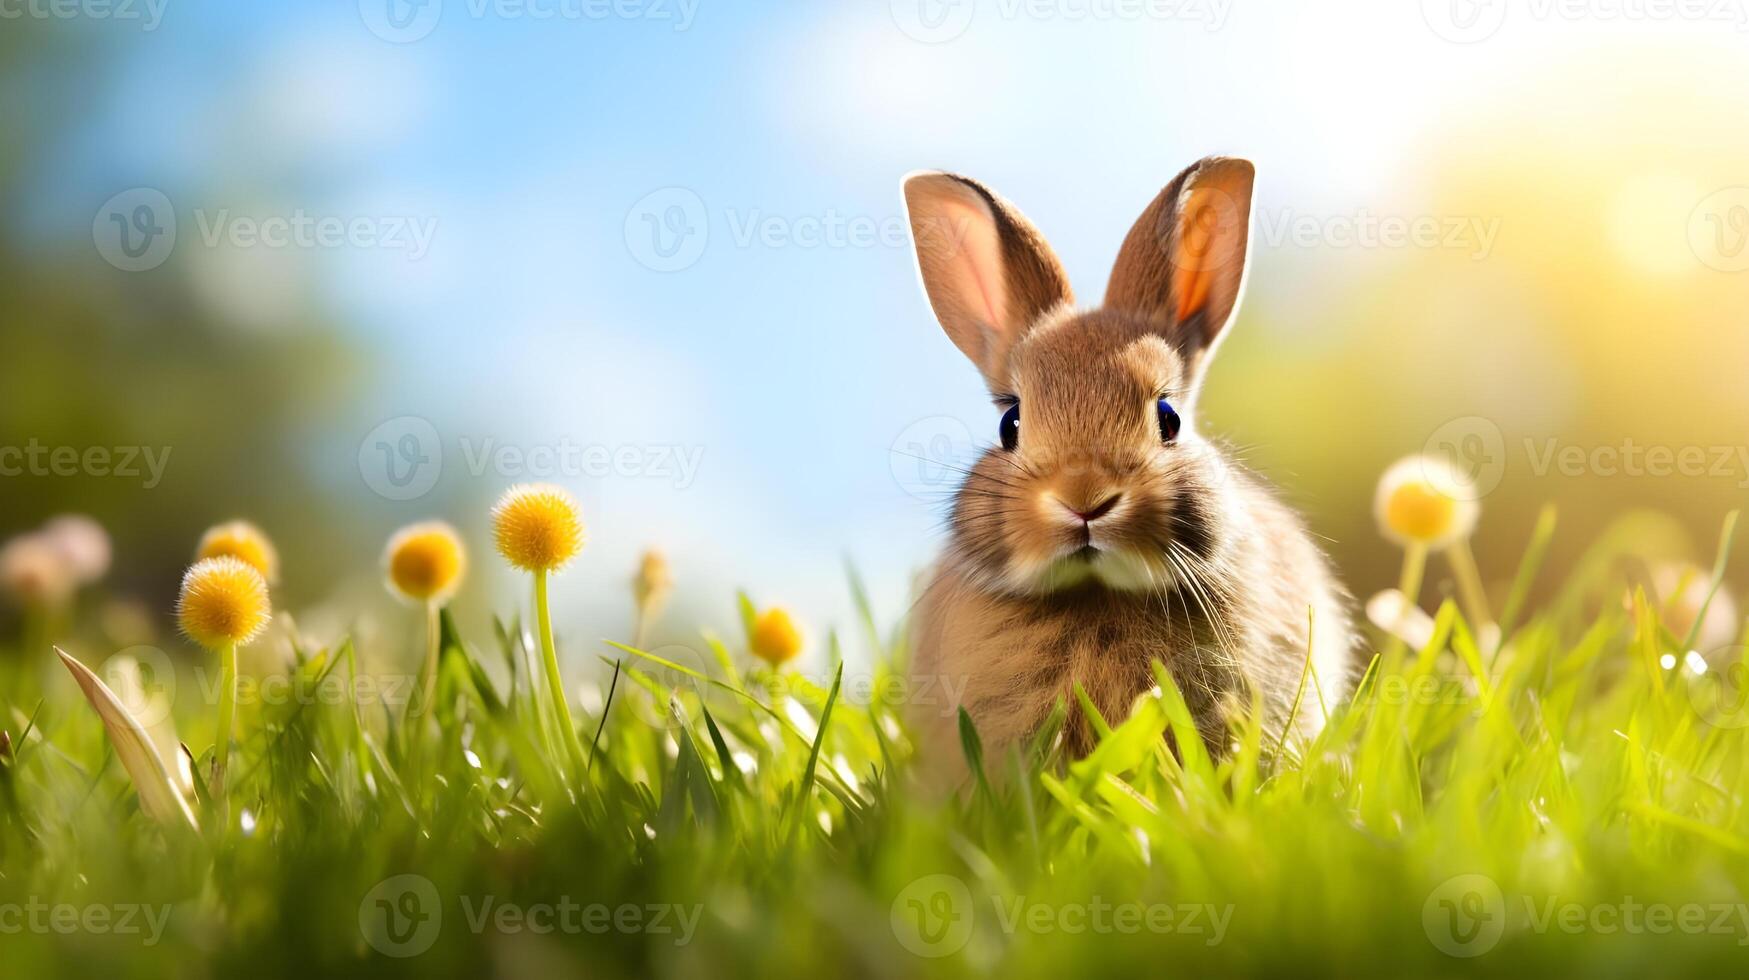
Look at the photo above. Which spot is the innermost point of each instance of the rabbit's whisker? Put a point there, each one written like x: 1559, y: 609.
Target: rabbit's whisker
x: 1223, y: 638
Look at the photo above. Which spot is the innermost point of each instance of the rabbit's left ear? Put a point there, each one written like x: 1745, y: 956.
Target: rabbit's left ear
x: 1183, y: 262
x: 988, y: 272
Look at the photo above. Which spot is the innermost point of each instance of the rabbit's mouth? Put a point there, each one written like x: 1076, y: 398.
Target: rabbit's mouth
x: 1115, y: 568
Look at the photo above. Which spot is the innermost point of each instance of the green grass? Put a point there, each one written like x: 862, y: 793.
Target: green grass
x: 1583, y: 781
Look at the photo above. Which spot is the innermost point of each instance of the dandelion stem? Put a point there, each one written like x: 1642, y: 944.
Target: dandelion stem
x: 555, y: 684
x: 1409, y: 584
x: 428, y: 690
x: 1469, y: 580
x: 227, y: 716
x: 1414, y: 568
x: 425, y: 699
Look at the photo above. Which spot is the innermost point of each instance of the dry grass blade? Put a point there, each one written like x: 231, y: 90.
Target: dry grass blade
x: 159, y: 796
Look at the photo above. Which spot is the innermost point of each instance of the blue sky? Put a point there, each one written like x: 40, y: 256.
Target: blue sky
x: 793, y: 349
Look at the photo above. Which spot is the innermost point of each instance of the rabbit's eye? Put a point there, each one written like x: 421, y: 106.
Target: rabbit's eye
x: 1009, y: 429
x: 1168, y: 420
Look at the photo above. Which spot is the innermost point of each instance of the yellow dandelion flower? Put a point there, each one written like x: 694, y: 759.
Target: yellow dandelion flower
x: 538, y: 527
x: 241, y: 540
x: 1426, y: 500
x: 223, y: 603
x: 650, y: 588
x: 775, y: 637
x: 425, y: 562
x: 654, y: 580
x: 1425, y: 503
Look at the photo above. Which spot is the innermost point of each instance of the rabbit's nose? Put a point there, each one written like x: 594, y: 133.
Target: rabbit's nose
x: 1095, y: 512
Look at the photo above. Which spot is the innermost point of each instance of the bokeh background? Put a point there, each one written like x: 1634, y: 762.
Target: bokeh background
x: 654, y: 251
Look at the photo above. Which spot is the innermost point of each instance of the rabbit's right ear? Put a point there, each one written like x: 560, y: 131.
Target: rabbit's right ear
x: 988, y: 272
x: 1183, y: 264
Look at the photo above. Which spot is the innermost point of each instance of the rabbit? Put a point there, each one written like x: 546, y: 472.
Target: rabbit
x: 1102, y: 530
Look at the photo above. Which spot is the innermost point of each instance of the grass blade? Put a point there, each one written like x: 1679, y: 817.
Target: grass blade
x: 1726, y: 535
x: 807, y: 785
x: 1528, y: 567
x: 151, y: 777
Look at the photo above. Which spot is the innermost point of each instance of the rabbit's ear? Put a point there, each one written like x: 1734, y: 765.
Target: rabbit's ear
x: 988, y: 272
x: 1183, y: 263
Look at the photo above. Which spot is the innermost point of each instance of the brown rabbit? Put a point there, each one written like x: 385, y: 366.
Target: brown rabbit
x: 1104, y: 531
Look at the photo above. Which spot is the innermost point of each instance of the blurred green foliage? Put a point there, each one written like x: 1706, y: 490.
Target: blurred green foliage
x: 91, y: 356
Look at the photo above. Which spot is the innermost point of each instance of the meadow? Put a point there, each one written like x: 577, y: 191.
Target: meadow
x: 1559, y: 790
